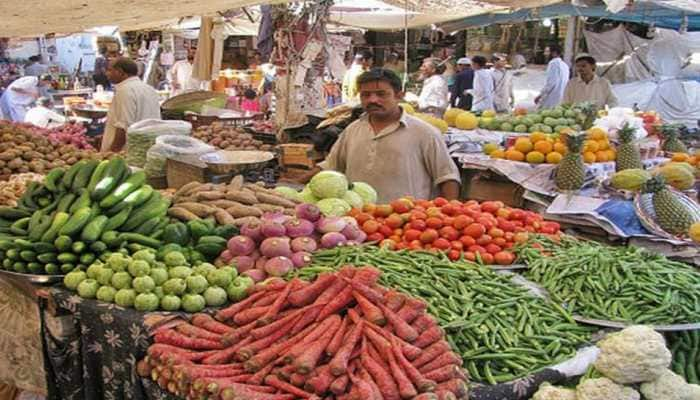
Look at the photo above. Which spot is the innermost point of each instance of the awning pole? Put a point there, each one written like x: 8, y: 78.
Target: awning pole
x: 405, y: 46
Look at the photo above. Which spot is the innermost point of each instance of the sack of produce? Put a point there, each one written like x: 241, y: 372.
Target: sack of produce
x: 142, y: 135
x: 169, y: 146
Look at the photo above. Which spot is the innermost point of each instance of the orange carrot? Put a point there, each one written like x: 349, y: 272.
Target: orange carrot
x: 403, y: 330
x: 158, y: 350
x: 205, y: 321
x: 366, y: 291
x: 423, y: 322
x: 308, y: 317
x: 387, y: 385
x: 297, y: 380
x: 367, y: 275
x: 268, y: 355
x: 321, y: 381
x: 410, y: 351
x: 343, y: 298
x: 340, y: 384
x: 376, y: 394
x: 369, y: 310
x: 406, y: 388
x: 430, y: 336
x: 331, y: 292
x: 271, y: 327
x: 238, y: 334
x: 308, y: 294
x: 337, y: 339
x: 230, y: 311
x: 309, y: 358
x: 246, y: 352
x: 268, y: 299
x: 444, y: 373
x: 249, y: 315
x: 419, y: 381
x: 394, y: 300
x: 192, y: 331
x: 271, y: 284
x: 286, y: 387
x: 259, y: 377
x: 276, y: 307
x: 244, y: 392
x: 430, y: 353
x: 411, y: 309
x: 223, y: 356
x: 446, y: 358
x: 177, y: 339
x: 339, y: 362
x: 296, y: 350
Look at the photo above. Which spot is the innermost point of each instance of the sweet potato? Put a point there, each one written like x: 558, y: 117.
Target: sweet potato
x: 236, y: 183
x: 223, y: 204
x: 274, y: 200
x: 198, y: 209
x: 241, y: 197
x: 245, y: 220
x: 210, y: 195
x: 242, y: 211
x: 182, y: 214
x: 223, y: 217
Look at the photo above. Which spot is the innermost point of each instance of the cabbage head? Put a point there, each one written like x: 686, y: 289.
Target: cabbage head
x: 353, y: 199
x: 288, y: 192
x: 333, y: 207
x: 367, y: 192
x: 308, y: 197
x: 329, y: 184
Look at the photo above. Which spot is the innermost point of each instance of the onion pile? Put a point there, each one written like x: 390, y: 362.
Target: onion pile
x: 280, y: 243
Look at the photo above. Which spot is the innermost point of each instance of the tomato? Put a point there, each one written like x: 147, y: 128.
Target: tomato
x: 486, y: 258
x: 456, y: 245
x: 487, y: 222
x: 484, y: 240
x: 395, y: 238
x: 454, y: 255
x: 384, y: 210
x: 394, y: 221
x: 449, y: 209
x: 386, y: 230
x: 470, y: 256
x: 504, y: 258
x: 418, y: 224
x: 411, y: 235
x: 548, y: 230
x: 496, y: 232
x: 370, y: 227
x: 401, y: 246
x: 424, y: 203
x: 353, y: 212
x: 362, y: 218
x: 462, y: 221
x: 434, y: 212
x: 530, y: 229
x: 388, y: 244
x: 402, y: 205
x: 449, y: 233
x: 418, y: 215
x: 474, y: 213
x: 435, y: 223
x: 415, y: 245
x: 467, y: 241
x: 509, y: 236
x: 500, y: 241
x: 504, y: 224
x: 369, y: 208
x: 517, y: 214
x: 398, y: 232
x: 474, y: 230
x: 375, y: 237
x: 550, y: 227
x: 428, y: 236
x: 508, y: 245
x: 491, y: 207
x: 448, y: 221
x: 477, y: 249
x: 440, y: 201
x: 442, y: 244
x: 493, y: 248
x: 533, y: 222
x: 503, y: 213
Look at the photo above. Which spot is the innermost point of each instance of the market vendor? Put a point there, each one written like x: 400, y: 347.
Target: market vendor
x: 464, y: 82
x: 589, y: 87
x: 181, y: 80
x: 435, y: 94
x: 20, y: 95
x: 394, y: 152
x: 557, y: 76
x: 133, y: 101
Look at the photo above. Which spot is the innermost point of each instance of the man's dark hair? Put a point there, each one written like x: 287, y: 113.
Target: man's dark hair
x: 555, y: 48
x: 479, y: 60
x: 589, y: 59
x: 380, y: 75
x: 34, y: 58
x: 250, y: 94
x: 126, y: 65
x: 366, y: 55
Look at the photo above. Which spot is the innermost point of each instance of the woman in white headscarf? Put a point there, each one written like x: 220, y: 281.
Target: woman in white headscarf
x: 19, y: 97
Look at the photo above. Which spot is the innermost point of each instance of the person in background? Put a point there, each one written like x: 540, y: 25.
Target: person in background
x: 483, y: 85
x: 255, y: 61
x: 99, y: 75
x: 363, y: 62
x: 518, y: 61
x: 434, y: 96
x: 464, y: 81
x: 181, y: 80
x: 450, y: 74
x: 503, y: 97
x: 35, y: 67
x: 331, y: 91
x: 20, y: 95
x: 397, y: 153
x: 587, y: 86
x: 133, y: 101
x: 250, y: 101
x: 393, y: 63
x: 267, y: 105
x: 43, y: 115
x: 557, y: 76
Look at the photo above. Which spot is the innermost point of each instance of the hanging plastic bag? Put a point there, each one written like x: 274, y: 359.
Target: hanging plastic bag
x: 142, y: 135
x: 167, y: 146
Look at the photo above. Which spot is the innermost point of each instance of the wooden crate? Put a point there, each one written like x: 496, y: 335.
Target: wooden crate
x: 298, y: 155
x: 185, y: 169
x: 483, y: 188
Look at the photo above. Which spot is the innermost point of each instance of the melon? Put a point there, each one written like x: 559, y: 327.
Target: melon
x: 466, y: 121
x: 679, y: 175
x: 451, y: 116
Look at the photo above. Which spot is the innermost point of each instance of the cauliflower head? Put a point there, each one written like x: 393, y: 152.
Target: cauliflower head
x: 635, y: 354
x: 604, y: 389
x: 668, y: 386
x: 549, y: 392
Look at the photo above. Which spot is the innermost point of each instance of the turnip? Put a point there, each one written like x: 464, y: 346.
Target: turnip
x: 305, y: 243
x: 278, y: 266
x: 301, y: 259
x: 354, y: 233
x: 244, y: 263
x: 252, y: 230
x: 260, y: 263
x: 226, y: 256
x: 331, y: 224
x: 240, y: 245
x: 276, y: 217
x: 275, y: 247
x: 271, y: 229
x: 308, y: 212
x: 332, y: 239
x: 257, y: 275
x: 299, y: 227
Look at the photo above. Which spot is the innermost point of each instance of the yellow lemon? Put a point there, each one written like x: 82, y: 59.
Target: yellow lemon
x: 523, y: 145
x: 590, y: 145
x: 601, y: 156
x: 560, y: 148
x: 498, y: 153
x: 554, y: 158
x: 535, y: 157
x: 603, y: 144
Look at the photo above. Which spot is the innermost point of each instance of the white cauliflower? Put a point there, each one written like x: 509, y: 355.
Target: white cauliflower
x: 635, y: 354
x: 548, y: 392
x: 668, y: 386
x: 604, y: 389
x: 693, y: 392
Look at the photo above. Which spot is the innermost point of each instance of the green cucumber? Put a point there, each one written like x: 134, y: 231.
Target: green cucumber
x: 6, y: 244
x: 157, y: 206
x: 76, y: 222
x: 66, y: 202
x: 27, y: 255
x: 132, y: 184
x: 63, y: 243
x: 112, y: 239
x: 67, y: 258
x: 141, y: 239
x: 135, y: 199
x: 20, y: 266
x: 35, y: 268
x: 66, y: 268
x: 43, y: 247
x: 82, y: 201
x: 12, y: 254
x: 52, y: 179
x: 20, y: 226
x: 51, y: 269
x: 78, y: 247
x: 59, y: 220
x: 117, y: 220
x: 97, y: 175
x: 39, y: 229
x: 98, y: 247
x: 93, y: 230
x: 24, y: 244
x: 113, y: 174
x: 47, y: 258
x: 82, y: 178
x: 149, y: 226
x: 35, y: 220
x: 13, y: 213
x: 69, y: 176
x: 87, y: 258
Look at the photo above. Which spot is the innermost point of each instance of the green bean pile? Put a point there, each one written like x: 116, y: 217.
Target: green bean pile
x: 624, y: 284
x: 500, y: 329
x: 685, y: 347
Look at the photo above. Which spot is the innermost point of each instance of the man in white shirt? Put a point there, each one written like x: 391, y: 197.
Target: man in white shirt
x: 435, y: 94
x: 557, y: 77
x: 133, y: 101
x: 503, y: 97
x: 589, y: 87
x: 181, y: 79
x: 43, y: 116
x: 483, y: 85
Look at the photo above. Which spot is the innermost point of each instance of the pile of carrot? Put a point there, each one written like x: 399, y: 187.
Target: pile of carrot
x: 342, y: 336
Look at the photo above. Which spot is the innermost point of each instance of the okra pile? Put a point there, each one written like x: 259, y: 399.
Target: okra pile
x: 501, y: 330
x: 624, y: 284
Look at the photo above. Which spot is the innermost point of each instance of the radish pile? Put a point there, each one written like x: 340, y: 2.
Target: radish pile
x: 342, y: 336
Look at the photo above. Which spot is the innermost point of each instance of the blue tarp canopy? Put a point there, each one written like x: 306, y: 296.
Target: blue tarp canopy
x: 645, y: 12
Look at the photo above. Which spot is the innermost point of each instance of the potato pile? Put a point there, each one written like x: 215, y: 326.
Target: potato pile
x: 13, y: 189
x: 22, y: 151
x: 237, y: 203
x: 229, y: 138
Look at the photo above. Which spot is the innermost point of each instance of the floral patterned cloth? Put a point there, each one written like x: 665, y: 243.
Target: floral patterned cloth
x: 519, y: 389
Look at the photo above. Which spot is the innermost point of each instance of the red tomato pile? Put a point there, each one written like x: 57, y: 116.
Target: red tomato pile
x: 478, y: 231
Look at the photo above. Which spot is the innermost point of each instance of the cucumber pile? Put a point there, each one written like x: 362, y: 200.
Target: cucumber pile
x: 78, y: 213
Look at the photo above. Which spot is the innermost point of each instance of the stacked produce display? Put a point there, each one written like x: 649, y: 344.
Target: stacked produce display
x: 229, y: 138
x: 70, y: 133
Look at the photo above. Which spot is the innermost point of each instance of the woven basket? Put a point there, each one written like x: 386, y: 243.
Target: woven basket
x: 644, y: 208
x: 185, y: 98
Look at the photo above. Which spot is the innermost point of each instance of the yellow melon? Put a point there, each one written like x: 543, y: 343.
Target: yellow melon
x: 451, y: 116
x: 466, y: 121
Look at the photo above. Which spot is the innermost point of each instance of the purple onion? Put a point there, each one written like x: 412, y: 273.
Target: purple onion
x: 309, y: 212
x: 244, y: 263
x: 272, y: 229
x: 252, y: 230
x: 257, y: 275
x: 331, y: 224
x: 299, y: 227
x: 332, y: 239
x: 240, y: 245
x: 353, y: 232
x: 278, y: 266
x: 301, y: 259
x: 276, y: 247
x: 306, y: 244
x: 276, y: 217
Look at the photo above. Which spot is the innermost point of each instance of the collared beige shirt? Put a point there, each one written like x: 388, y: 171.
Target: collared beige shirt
x: 409, y: 157
x: 133, y: 101
x: 597, y: 91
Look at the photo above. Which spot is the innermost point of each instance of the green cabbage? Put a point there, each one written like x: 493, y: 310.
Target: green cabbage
x: 307, y: 196
x: 354, y: 199
x: 286, y: 191
x: 329, y: 184
x: 334, y: 207
x: 367, y: 192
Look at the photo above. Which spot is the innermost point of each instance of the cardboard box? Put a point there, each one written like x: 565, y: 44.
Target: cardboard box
x: 482, y: 188
x: 299, y: 155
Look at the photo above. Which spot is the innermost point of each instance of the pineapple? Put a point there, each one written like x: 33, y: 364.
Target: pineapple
x: 672, y: 143
x: 672, y: 215
x: 571, y: 171
x: 628, y: 156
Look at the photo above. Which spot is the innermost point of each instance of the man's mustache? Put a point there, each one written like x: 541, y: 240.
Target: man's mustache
x: 374, y: 106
